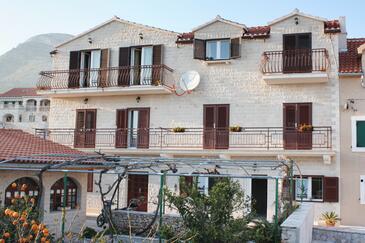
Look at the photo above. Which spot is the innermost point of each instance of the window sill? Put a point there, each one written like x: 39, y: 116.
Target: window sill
x: 358, y: 150
x: 213, y: 62
x: 307, y: 200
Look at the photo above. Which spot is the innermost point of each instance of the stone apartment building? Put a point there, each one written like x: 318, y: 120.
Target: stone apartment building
x: 114, y: 89
x: 23, y: 108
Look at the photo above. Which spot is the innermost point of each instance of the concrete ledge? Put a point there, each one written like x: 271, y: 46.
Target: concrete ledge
x: 297, y: 228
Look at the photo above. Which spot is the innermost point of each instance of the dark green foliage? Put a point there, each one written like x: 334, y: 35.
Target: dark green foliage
x: 222, y: 216
x: 89, y: 233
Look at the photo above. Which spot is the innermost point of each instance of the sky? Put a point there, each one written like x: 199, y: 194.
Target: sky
x: 22, y: 19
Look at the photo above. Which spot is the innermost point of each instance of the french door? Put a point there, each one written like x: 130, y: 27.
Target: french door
x: 297, y: 53
x: 141, y: 61
x: 216, y: 127
x: 133, y: 128
x: 85, y: 132
x: 138, y: 192
x: 297, y: 125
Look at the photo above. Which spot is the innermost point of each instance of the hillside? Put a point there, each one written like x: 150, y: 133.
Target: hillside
x: 20, y: 66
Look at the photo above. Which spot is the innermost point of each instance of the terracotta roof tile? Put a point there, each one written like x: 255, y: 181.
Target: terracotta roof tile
x: 185, y: 38
x: 19, y: 92
x: 257, y: 32
x: 350, y: 61
x: 332, y: 26
x: 16, y: 143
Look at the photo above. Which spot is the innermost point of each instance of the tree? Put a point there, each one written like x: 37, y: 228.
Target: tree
x: 224, y: 215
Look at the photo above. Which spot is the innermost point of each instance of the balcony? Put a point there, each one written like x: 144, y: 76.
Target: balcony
x: 128, y: 80
x: 298, y: 66
x: 164, y: 140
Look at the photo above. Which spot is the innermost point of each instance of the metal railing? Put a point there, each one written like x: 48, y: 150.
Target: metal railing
x: 106, y: 77
x: 295, y: 61
x: 262, y: 138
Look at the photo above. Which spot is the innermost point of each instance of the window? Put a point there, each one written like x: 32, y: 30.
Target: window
x: 44, y: 118
x: 20, y: 118
x: 31, y: 189
x: 358, y: 133
x: 221, y: 49
x: 8, y: 118
x: 31, y: 105
x: 218, y: 49
x: 31, y: 118
x: 204, y: 183
x: 57, y: 192
x: 309, y: 189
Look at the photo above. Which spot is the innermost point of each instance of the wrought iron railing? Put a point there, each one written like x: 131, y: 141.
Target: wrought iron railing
x: 295, y: 61
x: 262, y: 138
x: 106, y: 77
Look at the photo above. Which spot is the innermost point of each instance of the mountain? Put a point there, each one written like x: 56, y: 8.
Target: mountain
x: 20, y: 66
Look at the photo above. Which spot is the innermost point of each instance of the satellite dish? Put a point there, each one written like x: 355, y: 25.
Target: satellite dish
x: 189, y: 80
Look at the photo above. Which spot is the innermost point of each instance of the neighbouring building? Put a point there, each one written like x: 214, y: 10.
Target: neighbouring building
x: 23, y: 108
x: 25, y: 159
x: 113, y: 89
x: 352, y: 110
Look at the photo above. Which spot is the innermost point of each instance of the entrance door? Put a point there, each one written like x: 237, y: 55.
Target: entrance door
x: 297, y: 125
x: 297, y: 53
x: 259, y: 196
x: 216, y: 127
x: 138, y: 192
x: 133, y: 128
x: 85, y: 131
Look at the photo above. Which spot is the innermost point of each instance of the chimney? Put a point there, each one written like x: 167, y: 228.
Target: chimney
x: 343, y: 35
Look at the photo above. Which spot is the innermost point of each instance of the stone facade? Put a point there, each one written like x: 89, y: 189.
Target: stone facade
x: 338, y: 234
x: 75, y: 217
x: 238, y: 82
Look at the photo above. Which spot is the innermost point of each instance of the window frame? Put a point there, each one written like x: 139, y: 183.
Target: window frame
x: 354, y: 120
x: 309, y: 188
x: 72, y: 196
x: 218, y: 49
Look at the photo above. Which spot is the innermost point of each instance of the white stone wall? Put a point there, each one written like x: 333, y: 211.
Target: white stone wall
x: 239, y: 83
x: 75, y: 218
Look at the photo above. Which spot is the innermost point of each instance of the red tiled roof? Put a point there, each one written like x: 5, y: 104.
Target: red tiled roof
x: 16, y: 143
x: 350, y: 61
x: 185, y: 38
x: 257, y: 32
x: 19, y: 92
x: 332, y: 26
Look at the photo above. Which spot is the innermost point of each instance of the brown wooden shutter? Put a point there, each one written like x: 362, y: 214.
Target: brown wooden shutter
x: 104, y: 64
x: 304, y: 116
x: 235, y: 48
x: 124, y: 64
x: 122, y: 129
x: 222, y: 127
x: 90, y: 182
x: 74, y: 73
x: 330, y: 189
x: 199, y: 49
x: 208, y: 126
x: 143, y: 128
x: 157, y: 60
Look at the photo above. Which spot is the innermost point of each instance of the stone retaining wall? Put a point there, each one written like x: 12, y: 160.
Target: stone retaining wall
x: 338, y: 234
x: 140, y: 220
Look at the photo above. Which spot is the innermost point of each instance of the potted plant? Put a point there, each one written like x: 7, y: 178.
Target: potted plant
x: 235, y: 128
x: 305, y: 128
x: 330, y: 218
x: 178, y: 129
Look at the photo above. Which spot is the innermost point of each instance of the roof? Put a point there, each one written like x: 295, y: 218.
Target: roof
x: 16, y: 144
x: 332, y: 26
x: 220, y: 19
x: 114, y: 19
x: 257, y: 32
x: 350, y: 61
x: 20, y: 92
x: 296, y: 12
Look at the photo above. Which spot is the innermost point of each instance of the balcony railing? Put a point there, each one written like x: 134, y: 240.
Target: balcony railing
x: 106, y: 77
x: 295, y: 61
x: 262, y: 138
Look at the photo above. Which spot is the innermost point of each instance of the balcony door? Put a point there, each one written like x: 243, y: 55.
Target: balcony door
x: 297, y: 53
x: 216, y: 127
x: 295, y: 116
x: 141, y: 61
x: 133, y: 128
x: 138, y: 192
x: 85, y: 132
